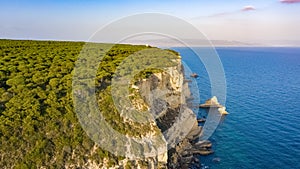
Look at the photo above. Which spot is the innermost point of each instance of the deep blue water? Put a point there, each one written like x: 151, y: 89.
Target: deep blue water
x: 263, y: 99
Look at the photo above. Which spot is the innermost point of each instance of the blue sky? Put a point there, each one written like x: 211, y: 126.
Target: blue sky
x: 266, y: 21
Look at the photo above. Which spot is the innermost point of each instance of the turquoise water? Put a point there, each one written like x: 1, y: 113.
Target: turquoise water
x: 263, y: 99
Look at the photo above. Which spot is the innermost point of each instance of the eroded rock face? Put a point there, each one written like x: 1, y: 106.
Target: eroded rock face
x: 166, y: 94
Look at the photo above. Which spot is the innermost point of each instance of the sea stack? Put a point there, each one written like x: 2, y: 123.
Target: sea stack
x: 194, y: 75
x: 214, y: 103
x: 222, y: 110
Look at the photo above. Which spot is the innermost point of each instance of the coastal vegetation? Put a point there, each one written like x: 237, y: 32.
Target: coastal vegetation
x: 38, y: 125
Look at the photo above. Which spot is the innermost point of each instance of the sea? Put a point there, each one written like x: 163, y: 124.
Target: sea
x: 262, y: 130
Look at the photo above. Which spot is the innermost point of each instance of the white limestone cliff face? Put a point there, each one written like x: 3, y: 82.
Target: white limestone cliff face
x: 166, y: 94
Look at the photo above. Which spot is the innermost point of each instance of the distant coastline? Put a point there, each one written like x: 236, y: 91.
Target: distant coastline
x: 207, y: 43
x: 167, y: 43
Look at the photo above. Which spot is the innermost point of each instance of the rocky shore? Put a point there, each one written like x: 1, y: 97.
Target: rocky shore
x: 186, y: 153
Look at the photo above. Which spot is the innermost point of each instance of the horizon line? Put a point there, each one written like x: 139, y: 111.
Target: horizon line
x: 248, y: 45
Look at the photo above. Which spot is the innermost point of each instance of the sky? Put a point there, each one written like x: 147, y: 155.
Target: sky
x: 252, y: 21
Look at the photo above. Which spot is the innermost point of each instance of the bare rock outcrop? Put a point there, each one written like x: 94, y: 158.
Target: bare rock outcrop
x: 214, y: 103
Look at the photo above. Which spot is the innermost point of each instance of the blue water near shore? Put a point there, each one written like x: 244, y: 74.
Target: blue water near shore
x: 263, y: 99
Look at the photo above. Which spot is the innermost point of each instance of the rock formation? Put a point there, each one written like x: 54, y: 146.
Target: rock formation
x: 185, y: 153
x: 222, y: 110
x: 214, y: 103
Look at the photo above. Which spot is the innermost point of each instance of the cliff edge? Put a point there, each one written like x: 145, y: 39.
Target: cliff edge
x: 165, y: 94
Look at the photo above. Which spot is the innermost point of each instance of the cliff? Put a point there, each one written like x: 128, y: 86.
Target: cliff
x: 166, y: 94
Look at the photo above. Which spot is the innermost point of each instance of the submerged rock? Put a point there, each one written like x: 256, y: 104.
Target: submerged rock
x: 216, y: 160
